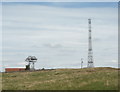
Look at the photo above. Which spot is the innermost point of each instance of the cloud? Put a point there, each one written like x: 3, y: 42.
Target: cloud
x: 96, y: 39
x: 52, y: 45
x: 114, y: 61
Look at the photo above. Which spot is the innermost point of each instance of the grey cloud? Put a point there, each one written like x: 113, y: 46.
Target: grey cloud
x: 96, y: 39
x: 51, y: 45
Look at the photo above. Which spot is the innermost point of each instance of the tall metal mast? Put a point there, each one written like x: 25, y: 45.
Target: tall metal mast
x: 90, y: 53
x: 81, y: 63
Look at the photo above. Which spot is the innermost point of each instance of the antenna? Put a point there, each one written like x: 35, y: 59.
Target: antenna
x: 90, y: 53
x: 81, y: 63
x: 31, y: 61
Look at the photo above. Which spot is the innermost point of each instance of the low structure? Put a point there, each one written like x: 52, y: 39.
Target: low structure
x: 14, y: 69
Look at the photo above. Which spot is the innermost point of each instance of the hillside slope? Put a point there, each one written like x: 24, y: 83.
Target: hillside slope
x: 63, y: 79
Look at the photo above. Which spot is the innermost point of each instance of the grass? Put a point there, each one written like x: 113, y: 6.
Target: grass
x: 62, y: 79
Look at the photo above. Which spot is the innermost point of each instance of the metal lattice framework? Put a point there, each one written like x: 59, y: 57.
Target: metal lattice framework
x: 90, y: 52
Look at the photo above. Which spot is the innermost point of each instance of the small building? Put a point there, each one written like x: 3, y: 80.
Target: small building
x: 14, y: 69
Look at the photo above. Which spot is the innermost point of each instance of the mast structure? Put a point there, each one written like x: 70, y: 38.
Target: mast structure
x: 90, y: 52
x: 81, y: 63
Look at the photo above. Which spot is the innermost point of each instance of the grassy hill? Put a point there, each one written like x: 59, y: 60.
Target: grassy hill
x: 62, y: 79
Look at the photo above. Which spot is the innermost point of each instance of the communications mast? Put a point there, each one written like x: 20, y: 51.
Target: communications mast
x: 90, y: 52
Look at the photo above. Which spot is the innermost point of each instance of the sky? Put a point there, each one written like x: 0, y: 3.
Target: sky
x: 57, y: 33
x: 60, y: 0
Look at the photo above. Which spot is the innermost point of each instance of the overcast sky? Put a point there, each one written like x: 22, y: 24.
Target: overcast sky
x: 57, y: 34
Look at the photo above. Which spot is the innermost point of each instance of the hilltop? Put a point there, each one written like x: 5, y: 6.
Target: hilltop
x: 63, y: 79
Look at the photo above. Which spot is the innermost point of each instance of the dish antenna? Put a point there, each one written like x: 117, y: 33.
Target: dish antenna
x: 31, y: 61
